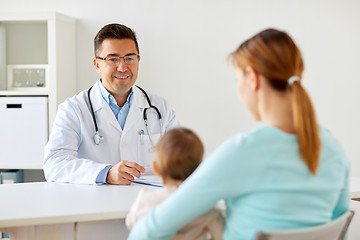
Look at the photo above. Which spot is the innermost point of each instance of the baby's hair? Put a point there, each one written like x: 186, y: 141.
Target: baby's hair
x: 178, y: 153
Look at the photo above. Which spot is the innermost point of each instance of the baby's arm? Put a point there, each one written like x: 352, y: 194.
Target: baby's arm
x: 216, y: 225
x: 135, y: 211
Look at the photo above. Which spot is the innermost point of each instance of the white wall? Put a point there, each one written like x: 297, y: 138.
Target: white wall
x: 184, y: 45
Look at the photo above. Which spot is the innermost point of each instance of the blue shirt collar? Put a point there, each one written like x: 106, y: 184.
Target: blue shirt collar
x: 108, y: 97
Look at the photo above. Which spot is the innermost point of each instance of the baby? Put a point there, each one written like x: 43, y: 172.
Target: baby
x: 178, y: 154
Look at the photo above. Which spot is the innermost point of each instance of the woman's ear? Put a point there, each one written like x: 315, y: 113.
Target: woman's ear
x: 253, y: 78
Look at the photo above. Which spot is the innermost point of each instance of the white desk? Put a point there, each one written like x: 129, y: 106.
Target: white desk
x: 54, y: 211
x: 74, y: 210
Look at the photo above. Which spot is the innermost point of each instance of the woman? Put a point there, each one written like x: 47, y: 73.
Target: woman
x: 288, y: 173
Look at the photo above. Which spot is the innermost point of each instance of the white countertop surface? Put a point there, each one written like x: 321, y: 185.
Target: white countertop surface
x: 48, y: 203
x: 28, y: 204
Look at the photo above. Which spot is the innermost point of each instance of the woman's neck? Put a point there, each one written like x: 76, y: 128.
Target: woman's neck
x: 275, y: 109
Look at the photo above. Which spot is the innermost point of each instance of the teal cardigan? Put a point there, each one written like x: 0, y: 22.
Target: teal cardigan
x: 265, y: 184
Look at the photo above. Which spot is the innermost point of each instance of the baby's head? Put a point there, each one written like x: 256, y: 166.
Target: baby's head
x: 178, y: 153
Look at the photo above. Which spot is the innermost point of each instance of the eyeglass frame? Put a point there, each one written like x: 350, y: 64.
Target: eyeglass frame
x: 115, y: 56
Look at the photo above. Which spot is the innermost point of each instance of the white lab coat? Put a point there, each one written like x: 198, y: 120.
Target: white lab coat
x: 71, y: 154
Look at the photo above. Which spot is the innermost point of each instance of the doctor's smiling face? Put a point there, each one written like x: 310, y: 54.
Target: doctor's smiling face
x: 118, y: 74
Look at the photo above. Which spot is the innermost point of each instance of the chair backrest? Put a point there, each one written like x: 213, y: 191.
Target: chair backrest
x: 334, y: 230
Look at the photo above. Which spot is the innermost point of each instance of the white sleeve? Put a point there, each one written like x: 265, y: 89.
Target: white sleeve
x: 172, y: 120
x: 168, y: 116
x: 61, y: 163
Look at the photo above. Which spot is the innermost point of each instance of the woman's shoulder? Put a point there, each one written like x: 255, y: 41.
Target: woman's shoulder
x: 328, y: 140
x: 262, y: 133
x: 242, y: 144
x: 331, y: 146
x: 326, y: 135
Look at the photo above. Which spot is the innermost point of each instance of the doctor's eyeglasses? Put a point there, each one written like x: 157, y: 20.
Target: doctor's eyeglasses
x: 115, y: 60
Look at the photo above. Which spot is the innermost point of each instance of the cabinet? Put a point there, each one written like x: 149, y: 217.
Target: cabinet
x: 24, y: 131
x: 37, y: 72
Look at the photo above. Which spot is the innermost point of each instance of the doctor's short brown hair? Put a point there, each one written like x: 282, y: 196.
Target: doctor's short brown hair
x: 178, y: 153
x: 114, y: 31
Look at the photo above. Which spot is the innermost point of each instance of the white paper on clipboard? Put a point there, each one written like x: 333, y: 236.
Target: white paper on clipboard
x: 149, y: 179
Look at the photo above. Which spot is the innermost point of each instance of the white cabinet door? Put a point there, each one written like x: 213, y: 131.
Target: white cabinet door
x: 23, y: 132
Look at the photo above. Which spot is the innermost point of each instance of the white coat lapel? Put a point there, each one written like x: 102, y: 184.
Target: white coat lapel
x: 138, y: 103
x: 102, y: 109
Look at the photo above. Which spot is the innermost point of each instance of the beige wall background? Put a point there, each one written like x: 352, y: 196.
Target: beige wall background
x: 184, y: 47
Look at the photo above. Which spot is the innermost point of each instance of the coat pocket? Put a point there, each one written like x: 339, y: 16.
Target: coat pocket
x: 146, y: 150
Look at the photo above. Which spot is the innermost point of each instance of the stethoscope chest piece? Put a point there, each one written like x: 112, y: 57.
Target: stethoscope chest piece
x: 98, y: 138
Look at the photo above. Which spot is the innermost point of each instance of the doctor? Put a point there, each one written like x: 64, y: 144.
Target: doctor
x: 107, y: 134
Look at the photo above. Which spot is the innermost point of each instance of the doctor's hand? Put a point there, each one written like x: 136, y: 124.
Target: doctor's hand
x: 124, y: 172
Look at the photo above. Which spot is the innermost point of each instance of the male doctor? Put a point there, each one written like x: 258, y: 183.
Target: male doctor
x: 99, y: 135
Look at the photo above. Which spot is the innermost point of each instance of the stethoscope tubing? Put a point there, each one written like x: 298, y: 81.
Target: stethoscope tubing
x: 98, y: 137
x: 92, y: 111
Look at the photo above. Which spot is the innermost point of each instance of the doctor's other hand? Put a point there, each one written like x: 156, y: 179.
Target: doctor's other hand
x: 124, y: 172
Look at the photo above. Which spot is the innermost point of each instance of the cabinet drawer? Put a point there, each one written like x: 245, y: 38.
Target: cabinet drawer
x: 23, y: 132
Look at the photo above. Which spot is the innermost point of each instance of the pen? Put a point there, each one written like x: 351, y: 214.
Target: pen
x: 149, y: 184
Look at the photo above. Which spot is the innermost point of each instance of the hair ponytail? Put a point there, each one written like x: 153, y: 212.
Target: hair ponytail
x: 306, y: 127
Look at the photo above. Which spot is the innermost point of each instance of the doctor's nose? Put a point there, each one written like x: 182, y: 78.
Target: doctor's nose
x: 122, y: 67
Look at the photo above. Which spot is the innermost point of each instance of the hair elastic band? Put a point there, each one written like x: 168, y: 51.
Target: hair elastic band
x: 293, y: 79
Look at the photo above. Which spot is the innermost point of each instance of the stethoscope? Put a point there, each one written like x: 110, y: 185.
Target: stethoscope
x: 98, y: 137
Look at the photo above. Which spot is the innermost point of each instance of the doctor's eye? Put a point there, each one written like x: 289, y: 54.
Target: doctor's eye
x: 113, y: 60
x: 130, y: 59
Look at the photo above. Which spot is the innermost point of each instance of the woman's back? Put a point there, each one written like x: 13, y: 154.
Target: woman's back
x: 275, y: 190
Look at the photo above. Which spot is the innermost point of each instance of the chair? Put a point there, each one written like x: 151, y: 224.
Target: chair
x: 334, y: 230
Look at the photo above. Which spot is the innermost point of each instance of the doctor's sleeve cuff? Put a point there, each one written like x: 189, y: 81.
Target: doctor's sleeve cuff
x: 101, y: 177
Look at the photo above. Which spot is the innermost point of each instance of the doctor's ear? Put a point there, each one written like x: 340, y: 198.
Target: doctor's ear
x: 97, y: 65
x: 254, y: 78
